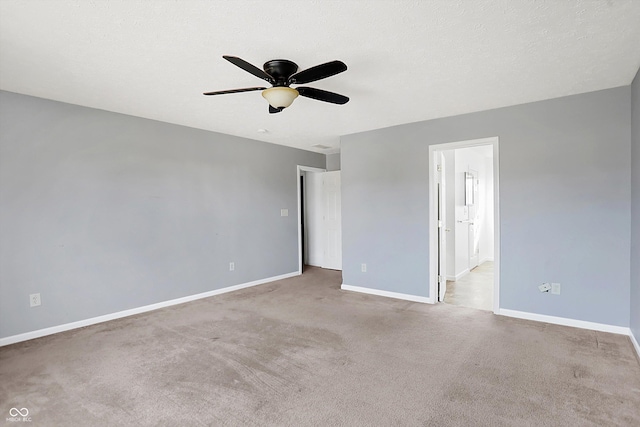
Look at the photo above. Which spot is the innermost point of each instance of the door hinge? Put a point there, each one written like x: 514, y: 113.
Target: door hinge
x: 440, y: 223
x: 440, y: 279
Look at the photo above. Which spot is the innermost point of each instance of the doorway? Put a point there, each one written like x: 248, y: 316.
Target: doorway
x: 464, y: 224
x: 319, y: 219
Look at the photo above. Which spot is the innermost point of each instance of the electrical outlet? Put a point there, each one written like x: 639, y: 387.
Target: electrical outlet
x: 363, y: 267
x: 555, y: 288
x: 34, y: 300
x: 545, y: 287
x: 232, y: 266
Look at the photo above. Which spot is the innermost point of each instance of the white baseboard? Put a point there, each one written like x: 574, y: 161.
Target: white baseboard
x: 634, y: 341
x: 462, y: 274
x: 603, y: 327
x: 458, y: 276
x: 125, y: 313
x: 483, y: 260
x: 465, y: 271
x: 387, y: 294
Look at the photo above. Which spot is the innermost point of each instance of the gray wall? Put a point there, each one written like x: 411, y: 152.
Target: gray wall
x: 564, y: 203
x: 103, y: 212
x: 333, y: 162
x: 635, y: 207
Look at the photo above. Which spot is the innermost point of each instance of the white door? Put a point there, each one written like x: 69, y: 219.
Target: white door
x: 474, y: 225
x: 314, y: 219
x: 442, y: 235
x: 332, y: 221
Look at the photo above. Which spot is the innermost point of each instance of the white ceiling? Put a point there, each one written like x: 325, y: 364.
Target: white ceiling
x: 408, y: 60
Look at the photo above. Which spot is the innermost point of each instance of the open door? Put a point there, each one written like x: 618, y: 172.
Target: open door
x: 442, y: 235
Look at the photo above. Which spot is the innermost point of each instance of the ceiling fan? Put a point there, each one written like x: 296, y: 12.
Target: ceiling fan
x: 281, y: 73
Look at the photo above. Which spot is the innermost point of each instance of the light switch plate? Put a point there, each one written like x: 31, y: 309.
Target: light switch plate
x: 284, y: 212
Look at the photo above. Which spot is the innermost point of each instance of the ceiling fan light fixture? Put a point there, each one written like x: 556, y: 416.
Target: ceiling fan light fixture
x: 280, y: 96
x: 282, y: 73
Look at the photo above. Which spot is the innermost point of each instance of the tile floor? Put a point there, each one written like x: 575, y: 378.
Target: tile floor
x: 475, y: 290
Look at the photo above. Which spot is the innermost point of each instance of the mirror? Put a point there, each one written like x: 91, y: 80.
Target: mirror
x: 468, y: 188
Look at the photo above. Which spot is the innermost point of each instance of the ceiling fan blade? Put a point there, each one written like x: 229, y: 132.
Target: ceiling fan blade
x: 246, y: 89
x: 273, y: 110
x: 318, y: 72
x: 249, y: 68
x: 322, y: 95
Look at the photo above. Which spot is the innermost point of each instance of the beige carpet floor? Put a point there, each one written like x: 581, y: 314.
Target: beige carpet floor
x: 301, y: 352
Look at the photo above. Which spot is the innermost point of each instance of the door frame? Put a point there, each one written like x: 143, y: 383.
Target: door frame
x: 441, y: 238
x: 433, y: 215
x: 299, y: 170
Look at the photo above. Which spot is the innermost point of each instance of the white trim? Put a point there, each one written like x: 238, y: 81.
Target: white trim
x: 462, y: 274
x: 496, y: 226
x: 583, y: 324
x: 125, y: 313
x: 433, y: 215
x: 387, y: 294
x: 464, y: 144
x: 458, y: 276
x: 433, y: 226
x: 299, y: 170
x: 634, y: 342
x: 483, y: 260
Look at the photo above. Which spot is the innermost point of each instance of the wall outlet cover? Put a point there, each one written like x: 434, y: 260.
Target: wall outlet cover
x: 545, y: 287
x: 555, y: 288
x: 34, y: 300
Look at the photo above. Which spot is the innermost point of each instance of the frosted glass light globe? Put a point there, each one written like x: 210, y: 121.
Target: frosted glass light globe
x: 279, y: 96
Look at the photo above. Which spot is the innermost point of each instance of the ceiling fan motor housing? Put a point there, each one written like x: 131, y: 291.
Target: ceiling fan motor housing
x: 280, y: 70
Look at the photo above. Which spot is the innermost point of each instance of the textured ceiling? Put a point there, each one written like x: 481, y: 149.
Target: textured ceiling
x: 408, y: 60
